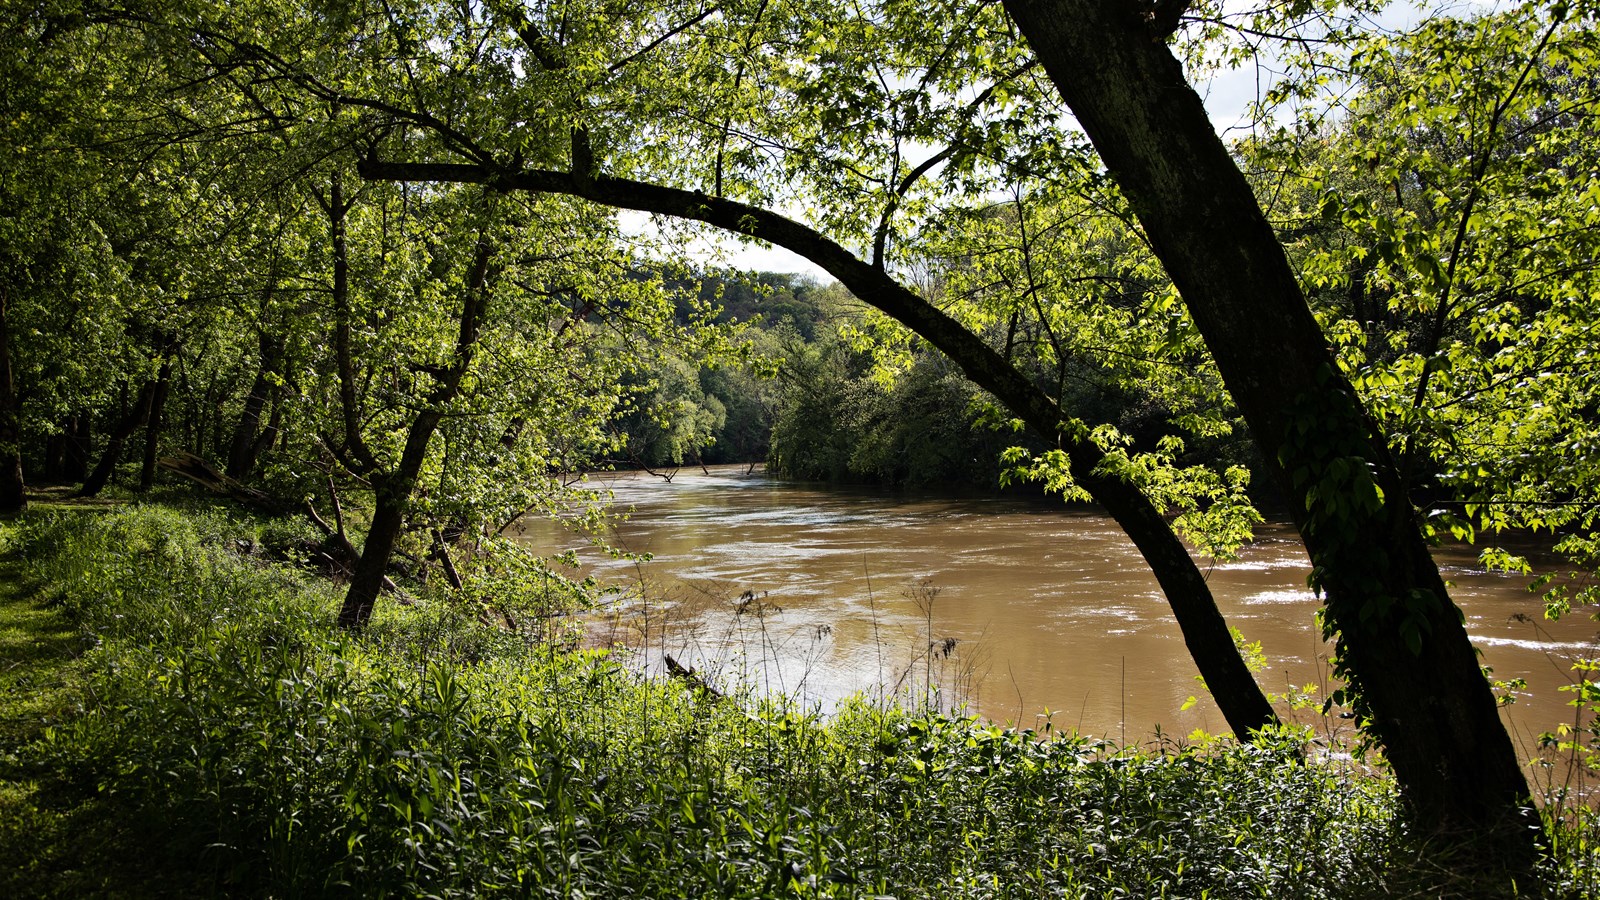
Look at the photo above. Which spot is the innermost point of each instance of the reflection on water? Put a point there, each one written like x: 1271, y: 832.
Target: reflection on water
x: 1015, y: 607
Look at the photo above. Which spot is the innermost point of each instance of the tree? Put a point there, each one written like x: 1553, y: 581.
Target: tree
x: 12, y: 486
x: 111, y: 241
x: 884, y: 413
x: 672, y: 418
x: 1413, y: 676
x: 37, y: 241
x: 473, y: 362
x: 642, y: 113
x: 821, y: 411
x: 559, y: 95
x: 479, y: 346
x: 1411, y: 672
x: 432, y: 270
x: 878, y: 118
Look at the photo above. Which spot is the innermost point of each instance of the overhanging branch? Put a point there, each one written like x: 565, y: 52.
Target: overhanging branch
x: 1204, y: 629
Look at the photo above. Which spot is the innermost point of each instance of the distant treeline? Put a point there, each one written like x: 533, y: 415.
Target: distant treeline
x: 820, y: 394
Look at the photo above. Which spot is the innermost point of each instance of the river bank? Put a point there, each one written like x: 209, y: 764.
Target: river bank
x: 232, y: 741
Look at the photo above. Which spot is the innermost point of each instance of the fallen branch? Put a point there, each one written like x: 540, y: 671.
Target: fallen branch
x: 678, y: 670
x: 442, y: 552
x: 203, y: 473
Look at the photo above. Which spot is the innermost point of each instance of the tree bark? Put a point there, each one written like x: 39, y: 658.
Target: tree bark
x: 13, y: 489
x: 1403, y: 650
x: 153, y: 425
x: 366, y: 581
x: 249, y: 438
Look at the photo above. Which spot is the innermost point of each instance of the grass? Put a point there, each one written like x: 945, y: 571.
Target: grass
x: 51, y: 842
x: 183, y: 718
x: 37, y: 645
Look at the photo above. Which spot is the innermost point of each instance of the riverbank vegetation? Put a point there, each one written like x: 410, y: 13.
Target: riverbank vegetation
x: 363, y: 263
x: 183, y: 715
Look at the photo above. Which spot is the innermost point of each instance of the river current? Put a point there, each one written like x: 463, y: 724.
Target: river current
x: 1018, y: 610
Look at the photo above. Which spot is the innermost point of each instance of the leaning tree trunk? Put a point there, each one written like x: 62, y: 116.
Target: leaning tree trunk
x: 1403, y: 649
x: 13, y: 493
x: 249, y: 438
x: 1205, y: 631
x: 392, y: 493
x: 125, y: 427
x: 366, y: 581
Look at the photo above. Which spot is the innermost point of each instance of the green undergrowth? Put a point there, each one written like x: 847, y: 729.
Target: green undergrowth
x: 183, y: 718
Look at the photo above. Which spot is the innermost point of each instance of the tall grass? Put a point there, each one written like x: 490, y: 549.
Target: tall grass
x: 239, y: 744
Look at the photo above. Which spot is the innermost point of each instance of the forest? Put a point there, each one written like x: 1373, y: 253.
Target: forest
x: 306, y: 304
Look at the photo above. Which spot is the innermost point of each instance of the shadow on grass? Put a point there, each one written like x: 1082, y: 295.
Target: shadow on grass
x: 48, y: 831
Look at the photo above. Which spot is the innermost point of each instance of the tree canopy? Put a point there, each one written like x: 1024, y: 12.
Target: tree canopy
x: 377, y: 238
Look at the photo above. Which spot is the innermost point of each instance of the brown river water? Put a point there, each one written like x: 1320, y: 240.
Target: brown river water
x: 1007, y: 607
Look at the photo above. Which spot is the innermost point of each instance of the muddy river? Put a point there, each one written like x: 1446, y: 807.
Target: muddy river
x: 1015, y: 609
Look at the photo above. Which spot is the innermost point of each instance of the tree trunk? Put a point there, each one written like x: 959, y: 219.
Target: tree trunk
x: 207, y: 440
x: 354, y: 452
x: 393, y: 491
x: 248, y: 438
x: 13, y: 490
x: 366, y: 582
x: 66, y: 455
x: 80, y: 437
x: 55, y: 454
x: 272, y: 433
x: 441, y: 552
x: 1402, y: 647
x: 126, y: 426
x: 198, y: 470
x: 153, y: 424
